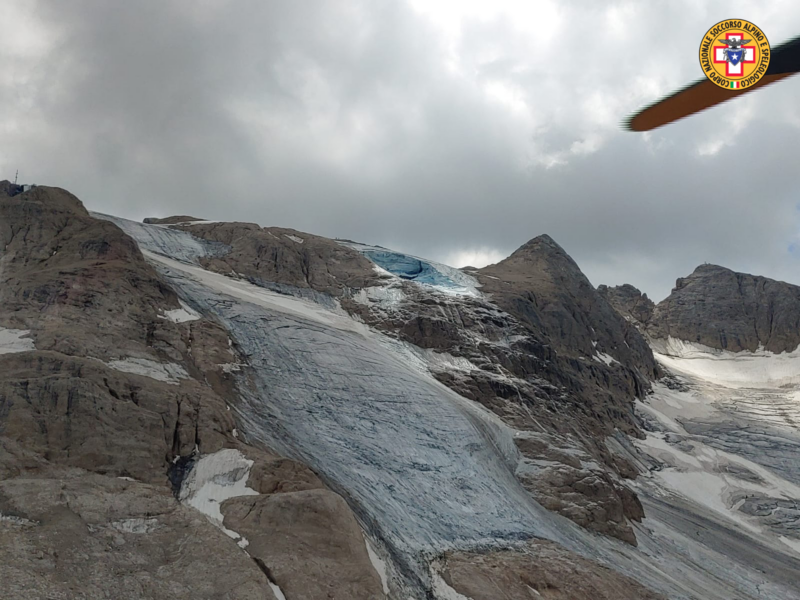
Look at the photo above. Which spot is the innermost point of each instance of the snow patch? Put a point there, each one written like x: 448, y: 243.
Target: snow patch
x: 14, y: 340
x: 729, y: 369
x: 604, y: 358
x: 294, y: 238
x: 136, y: 525
x: 793, y: 544
x: 379, y: 566
x: 166, y: 372
x: 181, y: 315
x: 215, y: 478
x: 277, y: 591
x: 20, y: 521
x: 441, y: 590
x: 703, y: 473
x: 386, y: 296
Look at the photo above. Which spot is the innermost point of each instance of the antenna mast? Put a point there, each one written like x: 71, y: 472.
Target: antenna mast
x: 15, y: 177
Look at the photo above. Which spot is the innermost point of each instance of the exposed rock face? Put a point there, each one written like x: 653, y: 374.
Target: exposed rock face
x: 544, y: 288
x: 564, y: 480
x: 285, y: 256
x: 540, y: 570
x: 110, y: 390
x: 66, y: 533
x: 720, y: 308
x: 309, y: 531
x: 629, y: 302
x: 109, y: 387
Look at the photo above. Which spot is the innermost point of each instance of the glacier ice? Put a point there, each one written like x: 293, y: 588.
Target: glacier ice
x: 425, y: 272
x: 174, y: 243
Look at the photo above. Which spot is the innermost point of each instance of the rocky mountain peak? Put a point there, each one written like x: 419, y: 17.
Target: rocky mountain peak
x: 40, y: 199
x: 541, y: 241
x: 542, y: 286
x: 723, y: 309
x: 705, y: 270
x: 542, y: 247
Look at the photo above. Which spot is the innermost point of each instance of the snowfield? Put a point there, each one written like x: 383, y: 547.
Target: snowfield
x: 726, y: 438
x: 15, y: 340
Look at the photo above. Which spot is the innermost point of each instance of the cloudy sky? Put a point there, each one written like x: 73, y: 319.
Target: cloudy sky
x: 452, y: 129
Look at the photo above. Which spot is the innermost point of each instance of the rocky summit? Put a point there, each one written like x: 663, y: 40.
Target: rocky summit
x: 197, y: 409
x: 718, y: 308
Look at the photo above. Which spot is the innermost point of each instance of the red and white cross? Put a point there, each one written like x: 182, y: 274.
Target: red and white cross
x: 732, y: 70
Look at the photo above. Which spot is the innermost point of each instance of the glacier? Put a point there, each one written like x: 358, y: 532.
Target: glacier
x: 424, y: 469
x: 422, y: 271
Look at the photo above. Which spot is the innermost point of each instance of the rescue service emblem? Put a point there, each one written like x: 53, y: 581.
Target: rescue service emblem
x: 734, y: 54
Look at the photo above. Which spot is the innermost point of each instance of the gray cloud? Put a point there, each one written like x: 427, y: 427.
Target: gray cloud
x: 446, y: 129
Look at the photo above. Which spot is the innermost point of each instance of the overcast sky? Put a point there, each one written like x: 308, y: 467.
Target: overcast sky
x: 452, y: 129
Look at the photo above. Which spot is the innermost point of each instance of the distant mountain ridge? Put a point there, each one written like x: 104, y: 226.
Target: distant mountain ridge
x: 718, y: 308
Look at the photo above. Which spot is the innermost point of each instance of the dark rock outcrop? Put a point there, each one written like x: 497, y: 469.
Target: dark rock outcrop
x: 9, y: 189
x: 545, y: 289
x: 633, y: 305
x: 720, y: 308
x: 170, y: 220
x: 286, y: 257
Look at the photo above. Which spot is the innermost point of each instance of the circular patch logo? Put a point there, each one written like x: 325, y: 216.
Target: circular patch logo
x: 734, y: 54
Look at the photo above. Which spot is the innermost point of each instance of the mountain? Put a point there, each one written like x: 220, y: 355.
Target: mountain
x: 720, y: 308
x: 195, y: 409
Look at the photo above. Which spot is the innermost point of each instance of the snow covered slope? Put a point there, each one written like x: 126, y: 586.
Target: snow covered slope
x: 424, y: 469
x: 726, y: 435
